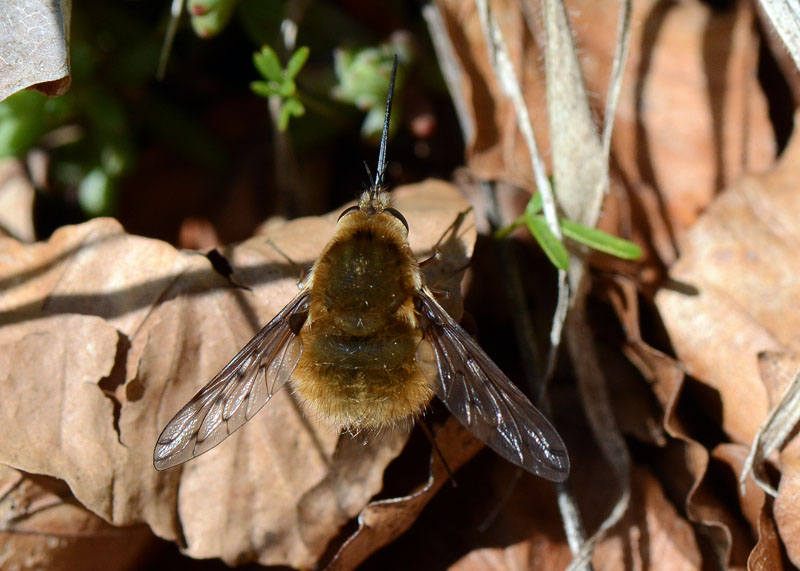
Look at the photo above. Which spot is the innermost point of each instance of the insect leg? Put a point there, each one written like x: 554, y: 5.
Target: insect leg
x: 432, y: 440
x: 302, y: 271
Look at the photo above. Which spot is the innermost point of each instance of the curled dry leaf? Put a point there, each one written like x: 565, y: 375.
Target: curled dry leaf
x: 105, y: 335
x: 780, y: 373
x: 741, y: 258
x: 767, y: 555
x: 383, y: 521
x: 783, y: 370
x: 44, y: 528
x: 683, y: 464
x: 691, y: 118
x: 652, y: 535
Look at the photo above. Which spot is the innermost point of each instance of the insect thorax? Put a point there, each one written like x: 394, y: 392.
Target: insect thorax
x: 365, y: 276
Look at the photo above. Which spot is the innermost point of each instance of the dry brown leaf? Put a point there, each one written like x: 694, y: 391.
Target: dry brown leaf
x: 675, y: 131
x: 650, y: 536
x: 44, y: 528
x: 782, y: 370
x: 497, y: 150
x: 751, y: 499
x: 741, y: 258
x: 692, y: 115
x: 105, y: 335
x: 777, y: 370
x: 383, y: 521
x: 781, y: 378
x: 684, y: 467
x: 767, y: 554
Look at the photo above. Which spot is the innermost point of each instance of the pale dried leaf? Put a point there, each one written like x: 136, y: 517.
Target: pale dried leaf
x: 16, y: 201
x: 34, y: 41
x: 784, y: 15
x: 105, y: 335
x: 692, y: 116
x: 741, y: 257
x: 574, y: 139
x: 781, y: 421
x: 43, y: 527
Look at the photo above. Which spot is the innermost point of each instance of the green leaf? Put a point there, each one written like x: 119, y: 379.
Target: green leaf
x: 362, y: 79
x: 601, y: 241
x: 209, y: 17
x: 21, y: 122
x: 268, y: 65
x: 262, y: 88
x: 552, y: 246
x: 296, y: 62
x: 534, y: 205
x: 372, y: 127
x: 287, y: 89
x: 295, y: 107
x: 97, y: 193
x: 291, y: 108
x: 506, y: 230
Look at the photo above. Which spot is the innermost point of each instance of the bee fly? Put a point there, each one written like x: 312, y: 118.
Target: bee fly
x: 366, y: 346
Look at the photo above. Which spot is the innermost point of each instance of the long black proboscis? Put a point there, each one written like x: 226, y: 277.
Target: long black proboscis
x: 385, y: 136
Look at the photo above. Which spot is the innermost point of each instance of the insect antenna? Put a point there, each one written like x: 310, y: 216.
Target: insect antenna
x: 369, y: 171
x: 378, y: 184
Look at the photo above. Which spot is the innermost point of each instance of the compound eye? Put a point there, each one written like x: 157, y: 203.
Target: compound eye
x: 347, y: 211
x: 396, y: 213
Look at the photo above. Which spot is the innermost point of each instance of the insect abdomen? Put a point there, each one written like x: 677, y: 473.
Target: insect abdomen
x: 363, y: 382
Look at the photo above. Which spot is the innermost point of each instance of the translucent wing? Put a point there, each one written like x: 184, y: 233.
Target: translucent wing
x: 483, y: 399
x: 238, y: 391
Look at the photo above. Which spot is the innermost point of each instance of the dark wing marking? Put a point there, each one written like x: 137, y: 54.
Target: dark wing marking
x: 483, y: 399
x: 238, y: 391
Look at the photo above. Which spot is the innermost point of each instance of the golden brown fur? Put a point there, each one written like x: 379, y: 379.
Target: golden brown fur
x: 358, y: 368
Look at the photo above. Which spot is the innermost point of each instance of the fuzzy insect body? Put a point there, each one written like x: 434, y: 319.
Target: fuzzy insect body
x: 365, y: 345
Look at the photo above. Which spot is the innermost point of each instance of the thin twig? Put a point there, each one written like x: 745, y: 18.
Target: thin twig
x: 575, y: 143
x: 451, y: 68
x: 617, y: 70
x: 528, y: 346
x: 597, y: 405
x: 169, y: 37
x: 504, y: 71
